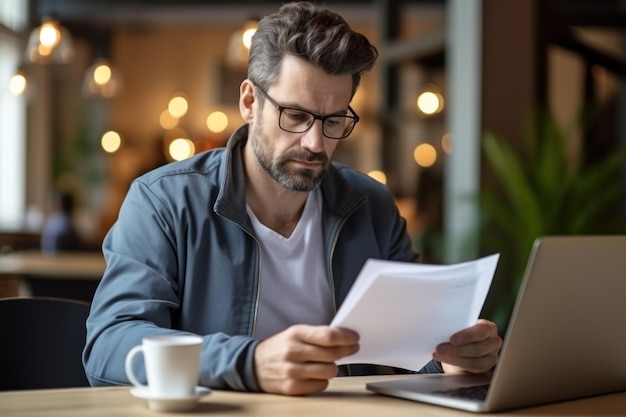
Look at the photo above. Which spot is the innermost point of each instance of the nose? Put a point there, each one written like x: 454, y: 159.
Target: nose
x: 313, y: 139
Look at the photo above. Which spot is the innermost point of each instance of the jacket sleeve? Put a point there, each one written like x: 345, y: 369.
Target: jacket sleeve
x: 140, y: 295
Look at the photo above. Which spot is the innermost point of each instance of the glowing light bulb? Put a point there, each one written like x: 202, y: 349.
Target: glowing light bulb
x: 102, y: 74
x: 18, y: 84
x: 217, y: 122
x: 178, y: 106
x: 49, y: 35
x: 181, y: 148
x: 429, y: 102
x: 246, y: 38
x: 111, y: 141
x: 425, y: 155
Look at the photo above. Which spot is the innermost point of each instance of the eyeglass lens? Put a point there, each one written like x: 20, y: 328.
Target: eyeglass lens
x: 298, y: 121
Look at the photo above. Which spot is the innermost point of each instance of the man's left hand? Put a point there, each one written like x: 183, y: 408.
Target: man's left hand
x: 474, y: 349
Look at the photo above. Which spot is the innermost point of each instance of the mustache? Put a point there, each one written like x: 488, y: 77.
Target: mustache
x: 306, y: 155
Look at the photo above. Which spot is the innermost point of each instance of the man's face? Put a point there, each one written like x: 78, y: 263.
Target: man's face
x: 298, y: 161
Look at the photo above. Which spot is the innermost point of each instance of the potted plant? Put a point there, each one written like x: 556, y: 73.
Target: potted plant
x: 543, y: 190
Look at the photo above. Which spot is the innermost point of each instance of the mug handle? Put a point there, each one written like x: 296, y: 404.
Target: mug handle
x: 129, y: 366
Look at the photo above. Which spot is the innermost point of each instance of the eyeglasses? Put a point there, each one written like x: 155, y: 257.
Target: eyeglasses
x: 299, y: 121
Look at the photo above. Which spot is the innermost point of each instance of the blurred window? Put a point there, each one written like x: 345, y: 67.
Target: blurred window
x: 13, y: 14
x: 12, y: 118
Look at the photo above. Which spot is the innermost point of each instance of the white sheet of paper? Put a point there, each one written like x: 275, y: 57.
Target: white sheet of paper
x: 403, y: 310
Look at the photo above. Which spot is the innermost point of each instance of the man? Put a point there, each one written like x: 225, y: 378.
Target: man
x: 59, y: 232
x: 254, y: 246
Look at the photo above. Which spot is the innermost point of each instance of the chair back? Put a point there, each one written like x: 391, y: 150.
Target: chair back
x: 42, y: 342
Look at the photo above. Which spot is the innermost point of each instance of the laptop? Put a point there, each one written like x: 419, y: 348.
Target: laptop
x: 566, y: 338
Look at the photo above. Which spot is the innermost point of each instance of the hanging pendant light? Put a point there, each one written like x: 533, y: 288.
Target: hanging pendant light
x: 50, y: 43
x: 239, y: 45
x: 102, y: 80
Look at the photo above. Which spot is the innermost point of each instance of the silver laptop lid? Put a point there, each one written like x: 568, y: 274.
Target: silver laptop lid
x: 567, y: 334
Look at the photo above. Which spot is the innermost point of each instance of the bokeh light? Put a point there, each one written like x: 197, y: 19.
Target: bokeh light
x: 446, y: 143
x: 430, y: 102
x: 181, y: 148
x: 102, y: 74
x: 217, y: 122
x: 178, y: 106
x: 378, y: 175
x: 167, y: 121
x: 111, y: 141
x: 18, y: 84
x: 425, y: 155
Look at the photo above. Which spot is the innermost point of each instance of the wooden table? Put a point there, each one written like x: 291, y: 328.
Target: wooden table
x: 64, y: 274
x: 345, y: 397
x: 66, y: 265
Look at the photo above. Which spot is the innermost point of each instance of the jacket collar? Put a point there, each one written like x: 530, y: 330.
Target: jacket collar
x: 231, y: 200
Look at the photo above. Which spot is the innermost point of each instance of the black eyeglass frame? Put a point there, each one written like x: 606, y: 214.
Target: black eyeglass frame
x: 355, y: 117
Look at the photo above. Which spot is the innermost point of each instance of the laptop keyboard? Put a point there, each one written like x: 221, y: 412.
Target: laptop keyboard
x: 476, y: 392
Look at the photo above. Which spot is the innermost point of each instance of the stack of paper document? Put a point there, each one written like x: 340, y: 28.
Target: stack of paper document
x: 403, y: 310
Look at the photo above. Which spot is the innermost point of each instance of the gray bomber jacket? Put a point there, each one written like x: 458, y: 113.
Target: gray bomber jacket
x: 182, y: 257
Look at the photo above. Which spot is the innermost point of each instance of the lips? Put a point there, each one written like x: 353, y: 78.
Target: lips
x: 308, y: 163
x: 309, y: 160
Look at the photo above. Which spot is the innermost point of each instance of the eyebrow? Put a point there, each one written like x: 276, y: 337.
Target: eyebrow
x: 342, y: 112
x: 295, y: 106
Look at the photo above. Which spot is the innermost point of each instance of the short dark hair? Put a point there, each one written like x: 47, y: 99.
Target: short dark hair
x: 318, y: 35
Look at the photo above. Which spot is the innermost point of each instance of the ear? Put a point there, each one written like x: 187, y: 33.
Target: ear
x: 246, y: 101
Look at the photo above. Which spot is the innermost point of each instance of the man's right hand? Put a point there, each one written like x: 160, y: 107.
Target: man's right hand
x: 301, y: 359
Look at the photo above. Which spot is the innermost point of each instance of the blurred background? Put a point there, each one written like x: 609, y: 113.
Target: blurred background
x: 492, y: 122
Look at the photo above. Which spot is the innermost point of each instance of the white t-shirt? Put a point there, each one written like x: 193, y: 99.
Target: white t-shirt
x: 294, y: 288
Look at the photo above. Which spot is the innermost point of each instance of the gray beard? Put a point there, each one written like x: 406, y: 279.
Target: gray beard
x: 302, y: 180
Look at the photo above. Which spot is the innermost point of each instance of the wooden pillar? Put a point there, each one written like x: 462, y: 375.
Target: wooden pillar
x: 514, y: 59
x: 389, y: 11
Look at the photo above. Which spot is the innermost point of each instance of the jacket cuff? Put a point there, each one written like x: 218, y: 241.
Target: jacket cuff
x: 432, y: 367
x: 248, y: 369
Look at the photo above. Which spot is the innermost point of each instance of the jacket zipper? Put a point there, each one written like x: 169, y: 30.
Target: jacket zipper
x: 329, y: 267
x: 331, y: 277
x: 258, y: 277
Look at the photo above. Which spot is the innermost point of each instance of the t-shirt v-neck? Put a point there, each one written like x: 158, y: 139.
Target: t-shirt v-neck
x: 280, y: 242
x: 294, y: 288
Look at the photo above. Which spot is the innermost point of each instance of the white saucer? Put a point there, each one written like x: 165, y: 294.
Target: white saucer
x: 170, y: 404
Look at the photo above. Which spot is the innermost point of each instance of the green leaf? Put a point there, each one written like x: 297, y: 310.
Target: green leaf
x: 516, y: 185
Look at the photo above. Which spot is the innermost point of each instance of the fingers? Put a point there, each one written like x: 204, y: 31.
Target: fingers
x: 474, y: 349
x: 299, y: 352
x: 467, y: 363
x: 320, y: 343
x: 301, y: 359
x: 324, y: 335
x: 482, y: 330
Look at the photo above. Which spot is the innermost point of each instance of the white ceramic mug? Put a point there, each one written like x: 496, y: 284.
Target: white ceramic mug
x: 172, y: 365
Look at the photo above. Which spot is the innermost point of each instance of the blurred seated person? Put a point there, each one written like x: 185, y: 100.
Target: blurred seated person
x: 59, y: 232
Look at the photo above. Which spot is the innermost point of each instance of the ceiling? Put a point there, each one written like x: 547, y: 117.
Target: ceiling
x: 581, y: 12
x: 111, y: 12
x: 91, y: 18
x: 601, y: 13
